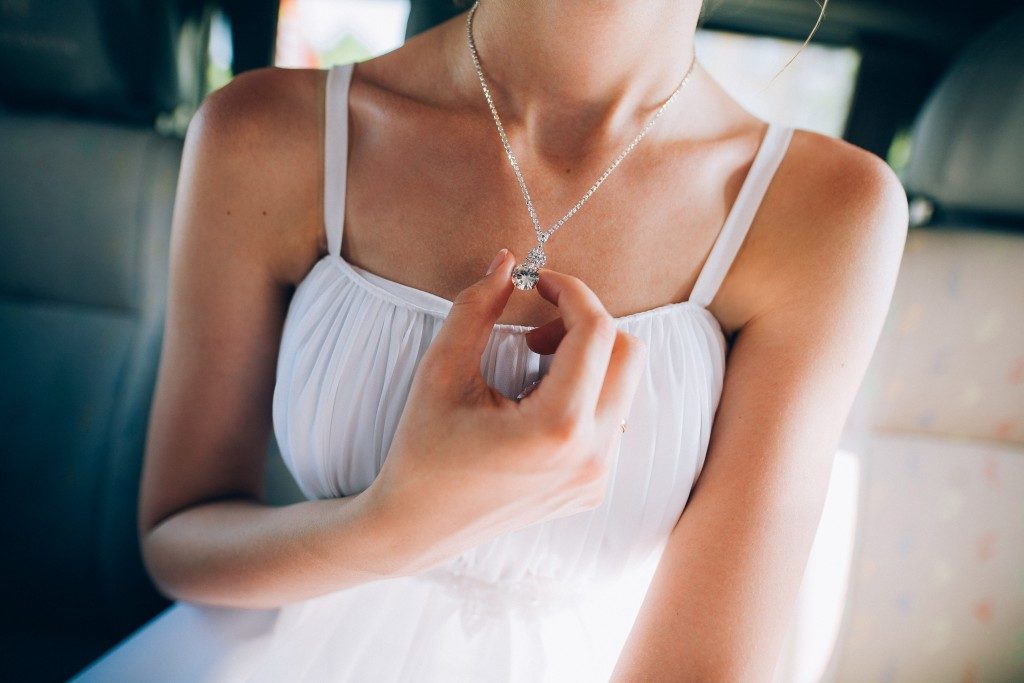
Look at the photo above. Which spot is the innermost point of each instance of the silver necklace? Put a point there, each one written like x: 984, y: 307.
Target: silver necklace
x: 526, y: 274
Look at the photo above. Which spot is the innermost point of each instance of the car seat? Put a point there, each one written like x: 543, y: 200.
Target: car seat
x: 934, y: 586
x: 92, y: 97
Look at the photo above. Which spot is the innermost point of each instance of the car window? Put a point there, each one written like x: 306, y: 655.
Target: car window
x: 318, y: 33
x: 814, y: 91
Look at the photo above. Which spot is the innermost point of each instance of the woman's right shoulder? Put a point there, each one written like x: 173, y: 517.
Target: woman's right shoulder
x: 263, y: 102
x: 255, y: 147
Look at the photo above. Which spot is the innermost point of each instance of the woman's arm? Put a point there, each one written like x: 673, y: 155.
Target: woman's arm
x: 243, y: 229
x: 466, y: 464
x: 723, y: 596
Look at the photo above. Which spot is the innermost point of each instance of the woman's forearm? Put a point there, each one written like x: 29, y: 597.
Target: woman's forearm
x: 243, y: 553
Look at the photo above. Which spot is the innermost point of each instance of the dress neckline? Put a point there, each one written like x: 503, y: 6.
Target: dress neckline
x: 436, y: 306
x: 768, y: 156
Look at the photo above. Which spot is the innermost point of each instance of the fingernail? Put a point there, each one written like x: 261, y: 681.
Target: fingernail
x: 497, y: 260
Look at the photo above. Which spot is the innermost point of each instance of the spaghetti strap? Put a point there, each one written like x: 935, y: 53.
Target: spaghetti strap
x: 767, y: 159
x: 339, y: 77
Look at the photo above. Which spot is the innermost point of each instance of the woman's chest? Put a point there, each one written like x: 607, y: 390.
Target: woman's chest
x: 638, y: 241
x: 350, y: 349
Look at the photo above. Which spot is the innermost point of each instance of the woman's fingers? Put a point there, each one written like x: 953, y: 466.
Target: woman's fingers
x: 625, y: 370
x: 594, y: 368
x: 626, y: 364
x: 463, y: 336
x: 545, y: 338
x: 576, y: 374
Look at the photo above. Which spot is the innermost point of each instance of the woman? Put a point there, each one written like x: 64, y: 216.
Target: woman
x: 330, y: 232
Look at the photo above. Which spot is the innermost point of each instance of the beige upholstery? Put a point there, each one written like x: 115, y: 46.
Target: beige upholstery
x: 952, y: 362
x: 922, y: 546
x: 936, y: 589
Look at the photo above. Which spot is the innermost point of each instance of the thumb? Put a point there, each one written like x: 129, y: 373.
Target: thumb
x: 470, y: 321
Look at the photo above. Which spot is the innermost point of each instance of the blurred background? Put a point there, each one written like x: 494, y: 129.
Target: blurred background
x: 917, y: 573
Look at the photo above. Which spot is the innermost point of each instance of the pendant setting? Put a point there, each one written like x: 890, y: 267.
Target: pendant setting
x: 527, y: 274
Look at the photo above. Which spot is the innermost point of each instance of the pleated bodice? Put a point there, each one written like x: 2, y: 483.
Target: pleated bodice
x: 352, y: 341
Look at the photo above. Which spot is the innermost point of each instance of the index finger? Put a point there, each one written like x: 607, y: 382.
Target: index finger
x: 576, y: 373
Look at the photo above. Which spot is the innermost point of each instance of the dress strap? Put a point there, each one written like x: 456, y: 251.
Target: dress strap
x: 339, y: 76
x: 767, y: 159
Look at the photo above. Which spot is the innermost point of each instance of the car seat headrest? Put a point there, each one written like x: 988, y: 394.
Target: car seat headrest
x: 113, y: 58
x: 967, y: 144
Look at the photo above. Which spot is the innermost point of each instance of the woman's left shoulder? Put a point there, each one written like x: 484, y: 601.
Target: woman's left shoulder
x: 832, y: 227
x: 840, y: 186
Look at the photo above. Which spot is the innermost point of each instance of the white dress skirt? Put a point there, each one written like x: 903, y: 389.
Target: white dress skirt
x: 554, y: 601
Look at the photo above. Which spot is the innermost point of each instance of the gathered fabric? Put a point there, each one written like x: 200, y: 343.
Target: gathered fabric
x: 553, y: 601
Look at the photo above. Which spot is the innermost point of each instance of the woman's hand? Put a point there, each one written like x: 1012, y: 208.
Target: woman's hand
x: 468, y: 464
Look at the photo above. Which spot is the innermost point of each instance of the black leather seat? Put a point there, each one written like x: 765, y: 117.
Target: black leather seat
x: 85, y: 211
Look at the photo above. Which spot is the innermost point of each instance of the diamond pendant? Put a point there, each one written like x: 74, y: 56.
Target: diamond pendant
x: 526, y: 274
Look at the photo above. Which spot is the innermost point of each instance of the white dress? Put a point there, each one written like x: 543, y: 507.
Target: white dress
x: 554, y: 601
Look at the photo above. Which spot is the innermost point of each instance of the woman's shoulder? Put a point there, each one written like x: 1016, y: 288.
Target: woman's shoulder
x: 256, y: 142
x: 266, y: 91
x: 834, y: 192
x: 262, y: 111
x: 833, y: 156
x: 829, y: 185
x: 834, y: 216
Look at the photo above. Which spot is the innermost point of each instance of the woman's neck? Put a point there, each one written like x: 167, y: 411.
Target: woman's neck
x: 585, y: 69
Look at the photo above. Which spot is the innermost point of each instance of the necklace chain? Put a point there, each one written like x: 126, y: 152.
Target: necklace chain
x: 537, y: 254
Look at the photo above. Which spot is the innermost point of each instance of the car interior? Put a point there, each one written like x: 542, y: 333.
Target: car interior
x: 917, y: 573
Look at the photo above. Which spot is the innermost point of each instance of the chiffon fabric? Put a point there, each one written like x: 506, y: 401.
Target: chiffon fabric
x: 553, y: 601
